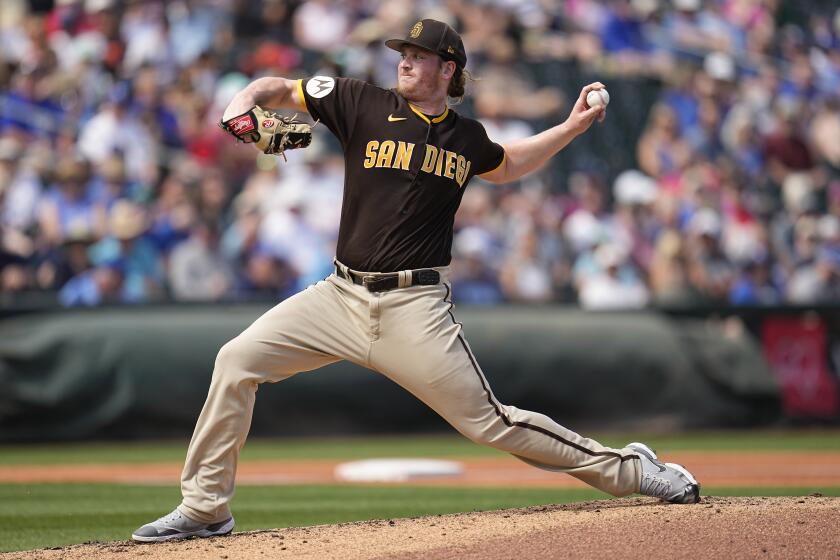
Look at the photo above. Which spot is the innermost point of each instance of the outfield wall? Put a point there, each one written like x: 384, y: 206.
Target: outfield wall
x: 144, y: 372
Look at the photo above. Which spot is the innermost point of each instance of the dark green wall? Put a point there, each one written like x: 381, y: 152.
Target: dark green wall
x: 145, y: 372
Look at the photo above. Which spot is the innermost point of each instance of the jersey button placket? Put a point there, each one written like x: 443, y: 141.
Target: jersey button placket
x: 416, y: 178
x: 374, y: 311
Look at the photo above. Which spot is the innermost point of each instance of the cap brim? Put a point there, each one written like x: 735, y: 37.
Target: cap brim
x: 398, y: 44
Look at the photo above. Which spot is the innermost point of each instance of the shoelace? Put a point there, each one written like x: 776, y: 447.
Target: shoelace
x: 655, y: 486
x: 170, y: 517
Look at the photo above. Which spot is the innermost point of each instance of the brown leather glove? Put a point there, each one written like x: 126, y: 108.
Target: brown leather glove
x: 272, y: 133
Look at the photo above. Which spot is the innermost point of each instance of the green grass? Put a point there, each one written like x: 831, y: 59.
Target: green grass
x: 42, y: 515
x: 45, y: 515
x: 38, y: 516
x: 404, y: 446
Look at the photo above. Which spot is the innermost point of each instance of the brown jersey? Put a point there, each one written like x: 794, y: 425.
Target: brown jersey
x: 405, y: 173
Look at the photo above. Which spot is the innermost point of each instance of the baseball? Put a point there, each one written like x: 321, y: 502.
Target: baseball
x: 598, y: 97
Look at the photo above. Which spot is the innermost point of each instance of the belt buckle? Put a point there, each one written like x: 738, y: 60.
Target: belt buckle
x: 368, y: 279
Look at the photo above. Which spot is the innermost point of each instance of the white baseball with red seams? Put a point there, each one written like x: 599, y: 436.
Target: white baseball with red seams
x: 598, y: 97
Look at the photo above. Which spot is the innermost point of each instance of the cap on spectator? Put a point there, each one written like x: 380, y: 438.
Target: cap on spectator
x: 644, y: 7
x: 798, y: 192
x: 806, y: 227
x: 829, y: 256
x: 79, y: 233
x: 228, y: 86
x: 127, y: 220
x: 582, y: 230
x: 120, y: 94
x: 473, y: 242
x: 290, y: 197
x: 115, y: 265
x: 669, y: 244
x: 71, y: 169
x: 634, y: 187
x: 608, y: 255
x: 705, y: 222
x: 93, y: 6
x: 112, y: 170
x: 10, y: 149
x: 829, y: 227
x: 368, y: 31
x: 720, y: 66
x: 687, y: 5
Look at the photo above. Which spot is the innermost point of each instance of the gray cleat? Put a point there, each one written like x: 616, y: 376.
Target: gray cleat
x: 668, y: 481
x: 176, y: 525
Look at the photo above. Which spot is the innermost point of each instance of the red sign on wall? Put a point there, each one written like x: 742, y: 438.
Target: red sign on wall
x: 796, y: 349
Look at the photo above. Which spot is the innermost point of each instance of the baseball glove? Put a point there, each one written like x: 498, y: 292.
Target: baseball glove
x: 272, y: 133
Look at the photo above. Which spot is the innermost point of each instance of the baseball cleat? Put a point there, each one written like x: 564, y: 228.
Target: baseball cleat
x: 176, y: 525
x: 667, y: 481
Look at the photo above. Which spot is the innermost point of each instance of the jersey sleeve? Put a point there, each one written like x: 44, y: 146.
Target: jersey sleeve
x: 490, y: 154
x: 334, y: 102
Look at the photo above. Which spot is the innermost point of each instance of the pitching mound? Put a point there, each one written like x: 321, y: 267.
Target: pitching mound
x: 631, y: 527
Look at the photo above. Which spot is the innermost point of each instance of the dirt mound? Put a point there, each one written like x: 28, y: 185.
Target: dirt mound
x: 637, y: 527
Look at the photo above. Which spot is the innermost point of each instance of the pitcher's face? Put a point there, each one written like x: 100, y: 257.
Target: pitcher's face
x: 421, y: 74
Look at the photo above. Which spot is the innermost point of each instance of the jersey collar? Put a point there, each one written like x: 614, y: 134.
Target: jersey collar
x: 435, y: 120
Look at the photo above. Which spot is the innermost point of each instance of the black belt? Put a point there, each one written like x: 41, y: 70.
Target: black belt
x: 382, y: 282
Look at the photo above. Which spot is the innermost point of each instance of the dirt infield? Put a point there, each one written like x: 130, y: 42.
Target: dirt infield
x: 718, y: 527
x: 635, y: 527
x: 740, y: 469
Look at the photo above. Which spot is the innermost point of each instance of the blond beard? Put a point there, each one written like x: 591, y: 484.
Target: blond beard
x: 407, y: 95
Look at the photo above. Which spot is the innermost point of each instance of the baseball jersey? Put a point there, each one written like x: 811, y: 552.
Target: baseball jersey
x: 405, y: 172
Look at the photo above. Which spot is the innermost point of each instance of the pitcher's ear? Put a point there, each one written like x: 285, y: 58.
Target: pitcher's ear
x: 449, y: 69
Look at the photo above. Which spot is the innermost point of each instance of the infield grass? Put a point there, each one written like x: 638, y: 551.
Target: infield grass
x: 58, y: 514
x: 39, y: 516
x: 44, y: 515
x: 403, y: 446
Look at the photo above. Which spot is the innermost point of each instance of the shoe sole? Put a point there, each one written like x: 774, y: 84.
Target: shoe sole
x: 203, y: 533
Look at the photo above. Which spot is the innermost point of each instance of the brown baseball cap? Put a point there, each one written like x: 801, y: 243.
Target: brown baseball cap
x: 435, y: 36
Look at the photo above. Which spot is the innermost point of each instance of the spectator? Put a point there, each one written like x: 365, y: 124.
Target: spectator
x: 142, y: 277
x: 114, y: 130
x: 785, y: 150
x: 68, y: 208
x: 197, y: 269
x: 609, y: 288
x: 105, y: 102
x: 662, y: 150
x: 818, y: 282
x: 754, y: 285
x: 173, y: 212
x: 669, y: 281
x: 824, y: 134
x: 321, y: 25
x: 20, y: 187
x: 709, y: 269
x: 111, y: 184
x: 266, y: 277
x: 474, y: 281
x: 526, y: 274
x: 99, y: 285
x: 635, y: 227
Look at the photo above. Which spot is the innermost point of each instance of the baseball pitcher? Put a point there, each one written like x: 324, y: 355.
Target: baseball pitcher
x: 387, y: 307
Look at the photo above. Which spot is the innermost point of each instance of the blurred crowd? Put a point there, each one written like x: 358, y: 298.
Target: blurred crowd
x: 117, y: 186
